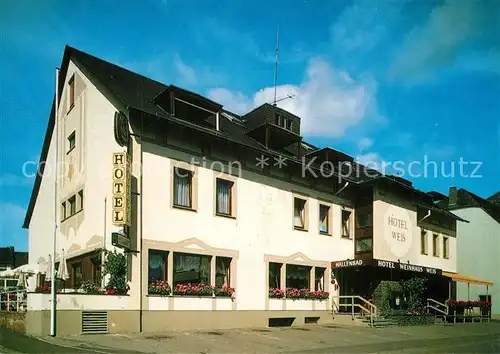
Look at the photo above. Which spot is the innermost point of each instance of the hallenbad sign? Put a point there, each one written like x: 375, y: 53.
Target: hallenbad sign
x: 398, y: 230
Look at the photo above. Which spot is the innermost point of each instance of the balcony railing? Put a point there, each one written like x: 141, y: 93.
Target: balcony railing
x: 13, y: 300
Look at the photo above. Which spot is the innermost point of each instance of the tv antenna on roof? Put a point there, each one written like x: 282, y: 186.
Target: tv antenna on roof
x: 288, y: 96
x: 276, y: 63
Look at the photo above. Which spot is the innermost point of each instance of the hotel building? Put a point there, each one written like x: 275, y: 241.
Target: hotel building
x: 192, y: 193
x: 478, y: 245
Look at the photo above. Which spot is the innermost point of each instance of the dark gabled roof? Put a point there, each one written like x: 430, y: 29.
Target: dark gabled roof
x: 495, y: 199
x: 437, y: 196
x: 440, y: 210
x: 467, y: 199
x: 124, y: 88
x: 129, y: 91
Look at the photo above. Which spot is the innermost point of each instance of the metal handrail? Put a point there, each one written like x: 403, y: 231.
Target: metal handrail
x: 371, y: 310
x: 435, y: 302
x: 17, y: 303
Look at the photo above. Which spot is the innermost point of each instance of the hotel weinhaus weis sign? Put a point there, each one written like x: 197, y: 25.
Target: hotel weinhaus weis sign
x: 121, y: 189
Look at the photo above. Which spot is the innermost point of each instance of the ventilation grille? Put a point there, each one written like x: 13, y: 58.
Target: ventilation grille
x: 94, y: 322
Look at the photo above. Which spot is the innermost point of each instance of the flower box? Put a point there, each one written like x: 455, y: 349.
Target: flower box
x: 223, y: 303
x: 320, y: 305
x: 159, y: 302
x: 459, y: 307
x: 276, y: 304
x: 276, y: 293
x: 194, y: 290
x: 192, y: 303
x: 299, y: 304
x: 159, y: 287
x: 293, y: 293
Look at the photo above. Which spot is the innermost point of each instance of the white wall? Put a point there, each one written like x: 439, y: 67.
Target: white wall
x: 385, y: 247
x: 263, y: 225
x: 478, y: 254
x: 92, y: 118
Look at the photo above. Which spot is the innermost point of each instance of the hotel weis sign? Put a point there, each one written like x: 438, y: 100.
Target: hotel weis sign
x: 407, y: 267
x: 398, y: 230
x: 121, y: 189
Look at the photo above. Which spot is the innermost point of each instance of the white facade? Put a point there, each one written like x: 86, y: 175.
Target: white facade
x: 87, y: 167
x: 478, y: 252
x: 408, y: 248
x: 263, y: 225
x: 262, y: 228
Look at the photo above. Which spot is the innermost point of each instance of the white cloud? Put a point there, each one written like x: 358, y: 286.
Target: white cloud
x: 365, y: 143
x: 329, y: 100
x: 372, y: 160
x: 187, y: 74
x: 234, y: 101
x: 364, y: 24
x: 439, y: 41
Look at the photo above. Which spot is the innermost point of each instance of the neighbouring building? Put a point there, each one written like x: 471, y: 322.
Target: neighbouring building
x: 478, y: 246
x: 193, y: 193
x: 399, y: 234
x: 11, y: 259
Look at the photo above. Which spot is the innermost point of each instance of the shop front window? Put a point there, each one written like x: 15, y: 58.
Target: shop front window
x: 222, y: 271
x: 191, y: 268
x: 157, y: 265
x: 319, y: 278
x: 275, y: 275
x: 298, y: 276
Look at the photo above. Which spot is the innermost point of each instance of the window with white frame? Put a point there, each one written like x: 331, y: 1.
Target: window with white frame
x: 71, y: 141
x: 346, y: 223
x: 423, y: 241
x: 324, y: 219
x: 71, y: 92
x: 224, y: 197
x: 183, y: 188
x: 446, y: 247
x: 299, y: 213
x: 435, y: 245
x: 72, y: 205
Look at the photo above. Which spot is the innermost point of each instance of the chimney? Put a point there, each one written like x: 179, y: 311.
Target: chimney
x: 452, y: 198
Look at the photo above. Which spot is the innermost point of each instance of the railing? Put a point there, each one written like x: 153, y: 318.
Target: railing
x: 438, y: 307
x: 13, y: 300
x: 367, y: 307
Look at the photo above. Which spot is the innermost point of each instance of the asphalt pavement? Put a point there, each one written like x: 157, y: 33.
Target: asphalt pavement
x: 459, y: 338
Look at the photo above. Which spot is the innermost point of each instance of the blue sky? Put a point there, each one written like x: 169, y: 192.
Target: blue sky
x: 384, y: 81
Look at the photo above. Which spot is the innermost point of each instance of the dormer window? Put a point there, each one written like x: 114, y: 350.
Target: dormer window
x: 277, y: 120
x: 282, y: 122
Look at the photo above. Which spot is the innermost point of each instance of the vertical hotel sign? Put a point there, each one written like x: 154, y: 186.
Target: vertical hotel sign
x: 121, y: 189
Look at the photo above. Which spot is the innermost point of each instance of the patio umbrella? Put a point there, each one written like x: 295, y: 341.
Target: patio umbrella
x: 48, y: 272
x: 27, y: 269
x: 62, y: 272
x: 22, y: 280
